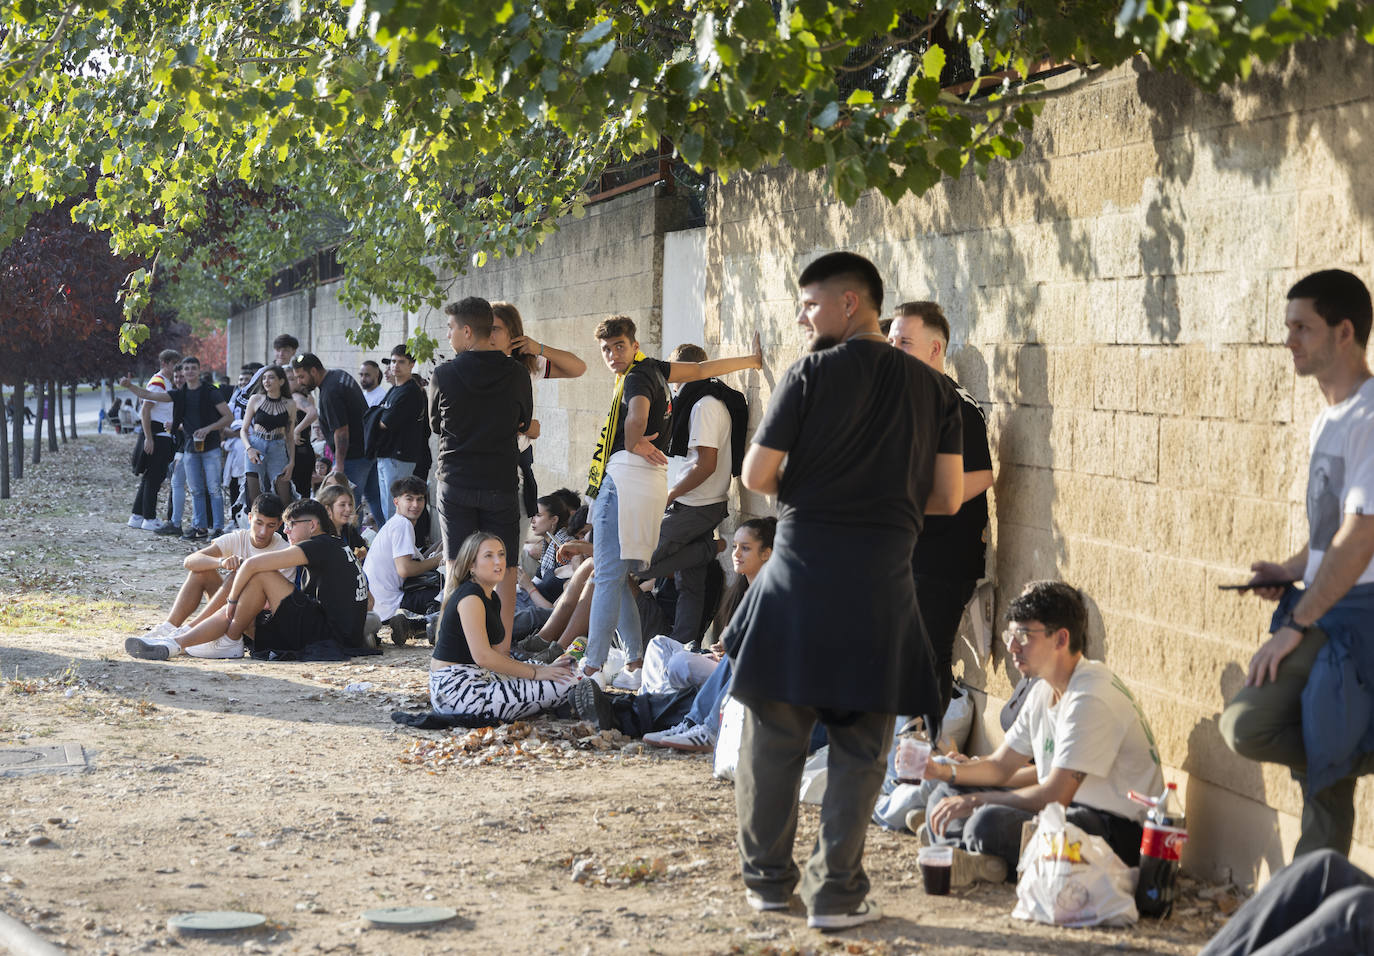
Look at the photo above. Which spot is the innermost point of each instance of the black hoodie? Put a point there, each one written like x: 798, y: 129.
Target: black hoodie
x: 478, y: 403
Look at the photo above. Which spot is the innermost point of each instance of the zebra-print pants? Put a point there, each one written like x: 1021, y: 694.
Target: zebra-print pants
x: 472, y: 691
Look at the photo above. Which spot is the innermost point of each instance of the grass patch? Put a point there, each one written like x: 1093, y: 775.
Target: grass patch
x: 47, y: 611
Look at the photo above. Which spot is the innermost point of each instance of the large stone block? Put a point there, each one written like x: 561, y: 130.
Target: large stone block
x: 1136, y: 447
x: 1114, y: 378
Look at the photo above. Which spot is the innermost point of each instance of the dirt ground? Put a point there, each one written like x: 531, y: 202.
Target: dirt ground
x: 278, y: 789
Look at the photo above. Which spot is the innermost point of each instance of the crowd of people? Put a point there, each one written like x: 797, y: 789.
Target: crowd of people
x: 840, y: 621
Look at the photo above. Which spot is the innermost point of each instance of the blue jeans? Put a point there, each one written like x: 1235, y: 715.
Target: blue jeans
x: 178, y: 490
x: 613, y: 601
x: 388, y: 470
x: 705, y: 710
x: 362, y: 474
x: 202, y: 477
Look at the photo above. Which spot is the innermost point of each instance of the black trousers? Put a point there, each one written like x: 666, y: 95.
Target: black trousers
x: 942, y: 602
x: 150, y: 482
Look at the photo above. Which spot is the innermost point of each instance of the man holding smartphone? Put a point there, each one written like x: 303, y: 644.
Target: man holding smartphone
x: 1307, y: 702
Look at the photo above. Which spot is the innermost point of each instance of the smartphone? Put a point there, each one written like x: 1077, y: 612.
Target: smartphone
x: 1252, y: 586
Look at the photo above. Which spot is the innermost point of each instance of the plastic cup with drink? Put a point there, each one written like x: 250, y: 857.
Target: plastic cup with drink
x: 937, y: 864
x: 913, y: 752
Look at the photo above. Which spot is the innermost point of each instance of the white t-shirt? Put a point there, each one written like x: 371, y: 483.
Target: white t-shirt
x: 1340, y: 475
x: 162, y: 411
x: 240, y: 543
x: 396, y: 539
x: 375, y: 396
x: 1097, y: 728
x: 710, y: 427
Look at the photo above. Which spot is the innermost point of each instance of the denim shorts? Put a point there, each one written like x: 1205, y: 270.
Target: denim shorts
x: 273, y: 463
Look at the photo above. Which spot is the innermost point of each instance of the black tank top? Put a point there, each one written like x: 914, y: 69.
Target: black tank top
x: 271, y: 415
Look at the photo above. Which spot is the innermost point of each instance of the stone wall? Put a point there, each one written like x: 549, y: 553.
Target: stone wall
x: 1117, y: 297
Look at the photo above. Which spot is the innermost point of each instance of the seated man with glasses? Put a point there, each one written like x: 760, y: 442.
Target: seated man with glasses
x: 317, y: 613
x: 1087, y: 736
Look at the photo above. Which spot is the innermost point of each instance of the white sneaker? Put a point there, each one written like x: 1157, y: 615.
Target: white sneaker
x: 627, y: 679
x: 679, y: 728
x: 136, y: 521
x: 151, y: 524
x: 695, y: 739
x: 154, y: 649
x: 165, y: 629
x: 220, y: 649
x: 865, y: 912
x: 599, y: 676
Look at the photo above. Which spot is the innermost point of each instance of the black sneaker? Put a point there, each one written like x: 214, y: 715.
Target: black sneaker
x: 195, y: 534
x: 400, y: 629
x: 432, y: 627
x: 591, y: 704
x: 168, y: 529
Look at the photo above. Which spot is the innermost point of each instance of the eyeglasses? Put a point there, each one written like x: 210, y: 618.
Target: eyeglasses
x: 1015, y: 637
x: 295, y: 521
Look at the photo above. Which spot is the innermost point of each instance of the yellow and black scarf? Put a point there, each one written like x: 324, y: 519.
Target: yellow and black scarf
x: 603, y: 444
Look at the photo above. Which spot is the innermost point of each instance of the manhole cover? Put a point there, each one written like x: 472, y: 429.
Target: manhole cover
x: 58, y: 758
x: 409, y: 917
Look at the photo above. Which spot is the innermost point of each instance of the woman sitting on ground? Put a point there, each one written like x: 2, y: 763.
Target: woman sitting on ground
x: 338, y: 501
x: 697, y: 731
x: 472, y: 673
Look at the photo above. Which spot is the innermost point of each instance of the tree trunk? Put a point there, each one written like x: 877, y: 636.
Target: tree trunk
x: 50, y: 413
x: 57, y: 391
x: 38, y: 424
x: 72, y: 416
x: 4, y: 453
x: 18, y: 419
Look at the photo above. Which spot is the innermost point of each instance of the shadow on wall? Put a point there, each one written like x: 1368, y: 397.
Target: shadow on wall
x: 1270, y: 135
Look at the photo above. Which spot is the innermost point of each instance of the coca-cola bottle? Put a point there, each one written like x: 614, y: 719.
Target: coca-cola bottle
x: 1161, y: 842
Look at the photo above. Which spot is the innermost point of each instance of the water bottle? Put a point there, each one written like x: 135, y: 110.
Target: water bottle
x: 1161, y: 842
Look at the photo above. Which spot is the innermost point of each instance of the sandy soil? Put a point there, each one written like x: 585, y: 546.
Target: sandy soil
x: 274, y: 788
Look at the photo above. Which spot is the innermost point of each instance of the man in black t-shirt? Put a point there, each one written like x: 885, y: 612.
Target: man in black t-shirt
x: 404, y: 426
x: 629, y: 482
x: 341, y: 405
x: 480, y: 401
x: 829, y: 629
x: 951, y: 553
x: 198, y: 413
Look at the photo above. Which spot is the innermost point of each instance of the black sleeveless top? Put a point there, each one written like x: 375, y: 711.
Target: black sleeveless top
x: 272, y: 415
x: 452, y: 643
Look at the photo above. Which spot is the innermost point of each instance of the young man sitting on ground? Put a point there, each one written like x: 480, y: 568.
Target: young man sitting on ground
x: 1090, y: 741
x: 204, y: 578
x: 393, y: 558
x: 327, y: 604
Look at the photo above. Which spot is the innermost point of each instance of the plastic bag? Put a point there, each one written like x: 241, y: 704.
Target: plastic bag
x: 1069, y: 878
x: 814, y: 776
x: 728, y: 740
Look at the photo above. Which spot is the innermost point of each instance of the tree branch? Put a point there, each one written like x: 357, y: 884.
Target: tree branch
x: 47, y: 48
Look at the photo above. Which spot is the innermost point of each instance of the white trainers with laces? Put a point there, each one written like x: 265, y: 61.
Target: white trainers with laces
x: 220, y: 649
x: 165, y: 629
x: 696, y: 739
x: 151, y: 524
x: 136, y: 521
x: 627, y: 679
x: 679, y: 728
